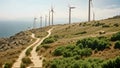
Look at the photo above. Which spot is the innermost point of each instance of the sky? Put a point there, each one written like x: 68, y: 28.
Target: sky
x: 26, y: 10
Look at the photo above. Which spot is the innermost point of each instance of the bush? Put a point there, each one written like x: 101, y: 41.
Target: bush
x: 97, y: 23
x: 28, y: 51
x: 8, y: 65
x: 115, y: 37
x: 116, y: 24
x: 93, y: 43
x: 22, y: 65
x: 46, y: 46
x: 38, y: 48
x: 51, y: 39
x: 105, y: 26
x: 117, y: 45
x: 71, y: 51
x: 58, y: 51
x: 26, y: 60
x: 115, y: 63
x: 83, y: 32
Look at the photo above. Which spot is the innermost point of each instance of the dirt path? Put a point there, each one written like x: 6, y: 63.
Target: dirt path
x: 37, y: 62
x: 18, y: 62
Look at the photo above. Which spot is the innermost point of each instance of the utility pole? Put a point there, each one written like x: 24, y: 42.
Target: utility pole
x: 45, y: 20
x: 49, y: 17
x: 89, y: 11
x: 41, y: 21
x: 70, y: 14
x: 52, y: 14
x: 34, y: 23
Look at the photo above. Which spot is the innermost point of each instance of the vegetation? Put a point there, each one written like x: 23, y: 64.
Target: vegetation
x: 83, y: 32
x: 116, y: 24
x: 97, y: 23
x: 115, y: 63
x: 25, y: 62
x: 8, y: 65
x: 71, y: 51
x: 23, y: 65
x: 28, y: 51
x: 93, y: 43
x: 50, y: 39
x: 84, y: 63
x: 115, y: 37
x: 38, y: 48
x: 73, y: 63
x: 117, y: 45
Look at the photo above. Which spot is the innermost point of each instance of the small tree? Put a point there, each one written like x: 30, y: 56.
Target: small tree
x: 117, y: 45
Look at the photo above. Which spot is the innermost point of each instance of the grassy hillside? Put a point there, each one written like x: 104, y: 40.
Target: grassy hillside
x: 64, y: 48
x: 77, y: 45
x: 10, y: 48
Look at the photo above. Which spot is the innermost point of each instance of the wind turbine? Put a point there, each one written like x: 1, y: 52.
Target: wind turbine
x: 89, y: 10
x: 70, y: 8
x: 49, y: 17
x: 34, y: 23
x: 52, y: 10
x: 41, y: 21
x: 45, y: 20
x: 92, y: 6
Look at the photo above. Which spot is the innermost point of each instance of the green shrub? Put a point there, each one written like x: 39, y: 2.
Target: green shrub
x: 72, y: 50
x: 104, y: 26
x: 23, y: 65
x: 8, y: 65
x: 83, y: 32
x: 117, y: 45
x: 28, y: 51
x: 46, y: 46
x: 97, y: 23
x: 116, y: 25
x: 38, y: 48
x: 115, y: 63
x: 93, y: 43
x: 115, y: 37
x: 50, y: 39
x: 58, y: 51
x: 26, y: 60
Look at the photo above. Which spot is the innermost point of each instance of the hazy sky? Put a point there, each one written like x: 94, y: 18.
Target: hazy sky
x: 28, y: 9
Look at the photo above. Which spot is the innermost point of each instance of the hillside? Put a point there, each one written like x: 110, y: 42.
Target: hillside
x: 90, y: 43
x: 60, y: 47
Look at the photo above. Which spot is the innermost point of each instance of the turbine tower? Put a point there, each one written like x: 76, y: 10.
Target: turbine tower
x: 34, y: 23
x: 41, y: 21
x: 49, y: 17
x: 92, y: 6
x: 70, y: 8
x: 89, y: 10
x: 52, y: 10
x: 45, y: 20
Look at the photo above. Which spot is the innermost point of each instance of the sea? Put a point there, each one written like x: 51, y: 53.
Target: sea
x: 10, y: 28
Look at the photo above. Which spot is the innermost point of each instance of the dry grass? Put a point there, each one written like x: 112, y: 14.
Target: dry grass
x: 69, y: 34
x: 11, y: 55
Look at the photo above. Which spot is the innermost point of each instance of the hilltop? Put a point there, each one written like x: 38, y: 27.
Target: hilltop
x: 66, y: 38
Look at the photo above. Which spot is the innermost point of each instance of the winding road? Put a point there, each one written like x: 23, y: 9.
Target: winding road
x: 37, y: 62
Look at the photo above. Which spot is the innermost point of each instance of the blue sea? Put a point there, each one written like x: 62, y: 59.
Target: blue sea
x: 10, y: 28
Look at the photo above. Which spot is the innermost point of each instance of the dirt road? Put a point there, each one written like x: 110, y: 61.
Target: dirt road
x: 34, y: 57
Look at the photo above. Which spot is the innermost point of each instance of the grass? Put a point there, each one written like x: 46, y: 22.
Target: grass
x: 66, y: 35
x: 12, y: 54
x: 70, y: 33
